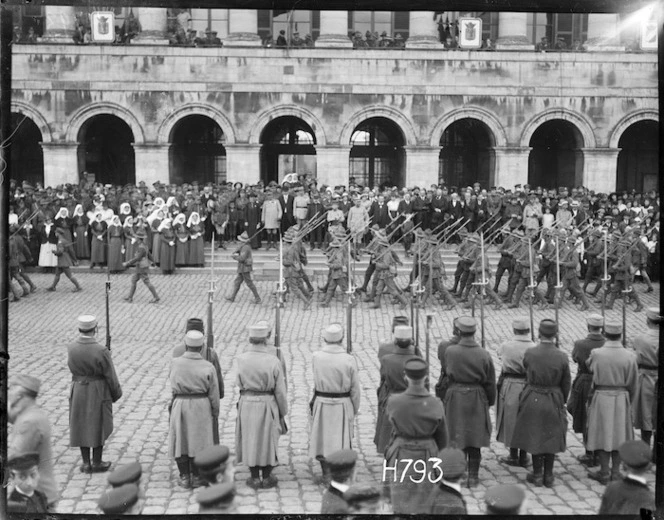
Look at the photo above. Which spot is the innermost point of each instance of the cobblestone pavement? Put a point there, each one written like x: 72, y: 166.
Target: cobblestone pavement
x: 41, y: 326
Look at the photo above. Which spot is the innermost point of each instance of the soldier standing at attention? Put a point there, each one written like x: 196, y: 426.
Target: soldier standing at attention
x: 578, y: 401
x: 142, y: 262
x: 261, y: 409
x: 94, y: 383
x: 391, y: 346
x: 471, y: 392
x: 242, y: 255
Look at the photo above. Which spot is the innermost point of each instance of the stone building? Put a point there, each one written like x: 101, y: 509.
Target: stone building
x: 150, y: 111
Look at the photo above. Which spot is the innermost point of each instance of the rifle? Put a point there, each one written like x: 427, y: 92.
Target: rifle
x: 108, y: 310
x: 532, y: 289
x: 482, y: 284
x: 211, y: 290
x: 606, y: 277
x: 279, y: 299
x: 429, y: 318
x: 625, y: 293
x: 349, y: 309
x: 558, y: 287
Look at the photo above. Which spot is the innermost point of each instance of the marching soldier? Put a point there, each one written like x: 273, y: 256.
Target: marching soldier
x: 615, y: 382
x: 419, y: 432
x: 338, y: 264
x: 444, y: 381
x: 621, y: 263
x: 505, y: 262
x: 594, y: 259
x: 460, y: 268
x: 471, y: 392
x: 303, y: 259
x: 541, y: 423
x: 578, y: 401
x: 569, y: 262
x: 94, y: 384
x: 371, y: 249
x: 293, y: 269
x: 434, y: 268
x: 547, y: 255
x: 515, y: 274
x: 476, y: 277
x: 142, y: 262
x: 472, y: 253
x: 523, y: 259
x: 243, y: 256
x: 66, y: 258
x: 511, y: 383
x: 261, y: 409
x: 386, y: 270
x: 336, y: 399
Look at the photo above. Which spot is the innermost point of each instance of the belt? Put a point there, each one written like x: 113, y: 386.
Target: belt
x: 85, y: 379
x: 649, y: 367
x: 543, y: 387
x: 468, y: 385
x: 190, y: 396
x: 256, y: 392
x: 610, y: 387
x: 513, y: 375
x: 331, y: 394
x: 411, y: 438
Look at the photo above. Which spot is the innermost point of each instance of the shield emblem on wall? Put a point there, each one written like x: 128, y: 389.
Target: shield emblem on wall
x: 102, y: 24
x: 470, y: 33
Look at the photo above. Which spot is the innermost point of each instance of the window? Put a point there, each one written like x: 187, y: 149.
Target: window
x: 29, y: 16
x: 570, y: 27
x: 214, y: 19
x: 270, y: 22
x: 379, y: 21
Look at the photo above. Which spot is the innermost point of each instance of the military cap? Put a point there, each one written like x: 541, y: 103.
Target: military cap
x: 504, y: 499
x: 341, y: 460
x: 194, y: 338
x: 399, y: 320
x: 416, y: 368
x: 87, y: 322
x: 548, y: 327
x: 521, y: 324
x: 403, y: 332
x: 635, y: 454
x: 23, y: 461
x: 217, y: 495
x: 453, y: 462
x: 127, y: 474
x: 361, y: 492
x: 595, y: 320
x: 259, y: 330
x: 613, y: 327
x: 652, y: 313
x: 195, y: 324
x: 211, y: 457
x: 29, y: 383
x: 466, y: 324
x: 244, y: 237
x: 118, y: 500
x: 333, y: 333
x: 335, y: 243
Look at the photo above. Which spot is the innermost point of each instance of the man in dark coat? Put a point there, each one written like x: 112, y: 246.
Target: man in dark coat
x: 252, y: 220
x: 287, y: 200
x: 578, y: 401
x: 443, y: 381
x: 94, y: 384
x: 541, y: 424
x: 25, y: 498
x: 391, y: 347
x: 142, y: 261
x: 439, y: 206
x: 471, y: 392
x: 342, y: 466
x: 446, y: 497
x: 379, y: 213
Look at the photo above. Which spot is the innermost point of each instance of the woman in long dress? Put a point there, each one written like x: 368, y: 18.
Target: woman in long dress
x: 196, y: 249
x: 80, y: 226
x: 182, y: 240
x: 48, y: 240
x: 62, y: 221
x: 115, y: 244
x: 98, y: 229
x: 167, y: 247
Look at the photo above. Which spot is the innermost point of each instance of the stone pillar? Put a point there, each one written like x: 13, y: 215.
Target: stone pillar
x: 60, y: 163
x: 151, y: 163
x: 153, y: 22
x: 334, y: 30
x: 242, y: 28
x: 603, y: 33
x: 513, y: 32
x: 423, y: 32
x: 60, y: 24
x: 243, y: 163
x: 511, y: 166
x: 332, y: 165
x: 421, y: 166
x: 600, y: 169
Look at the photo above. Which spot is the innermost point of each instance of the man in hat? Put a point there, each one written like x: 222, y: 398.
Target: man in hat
x: 504, y: 499
x: 216, y: 499
x: 194, y: 405
x: 446, y: 497
x: 433, y: 268
x: 391, y: 347
x: 569, y: 279
x: 443, y: 381
x: 578, y: 401
x: 339, y: 275
x: 516, y: 251
x: 525, y: 260
x: 142, y: 261
x: 293, y: 269
x: 363, y: 499
x: 372, y: 248
x: 541, y: 424
x: 511, y: 383
x: 66, y: 258
x: 243, y: 256
x: 121, y: 500
x: 94, y: 385
x: 336, y: 399
x: 25, y: 498
x: 261, y: 410
x: 386, y: 271
x: 615, y: 382
x: 342, y: 467
x: 630, y: 495
x: 419, y: 432
x: 462, y: 262
x: 506, y: 259
x: 471, y: 392
x: 31, y: 431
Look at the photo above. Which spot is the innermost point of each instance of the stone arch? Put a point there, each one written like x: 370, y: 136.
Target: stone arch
x: 287, y: 110
x: 406, y: 126
x: 488, y: 118
x: 166, y: 127
x: 94, y: 109
x: 578, y: 120
x: 37, y: 118
x: 646, y: 114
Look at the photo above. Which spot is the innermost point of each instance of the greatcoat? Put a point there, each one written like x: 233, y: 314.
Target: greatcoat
x: 646, y: 347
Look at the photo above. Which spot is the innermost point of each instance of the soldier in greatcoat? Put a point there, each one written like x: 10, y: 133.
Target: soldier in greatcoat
x: 615, y: 382
x: 336, y: 399
x: 443, y: 381
x: 419, y: 433
x: 511, y: 383
x: 261, y: 409
x: 578, y: 400
x: 471, y: 392
x: 142, y: 261
x: 390, y: 347
x: 94, y: 384
x: 541, y: 424
x: 243, y: 256
x: 194, y: 405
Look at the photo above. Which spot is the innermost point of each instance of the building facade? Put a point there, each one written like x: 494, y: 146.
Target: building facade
x: 419, y: 115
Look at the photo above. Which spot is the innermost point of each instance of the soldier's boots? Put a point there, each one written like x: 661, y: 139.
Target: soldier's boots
x: 610, y: 299
x: 637, y: 299
x: 588, y: 459
x: 495, y: 298
x: 517, y: 296
x: 584, y: 300
x: 602, y: 475
x: 473, y: 470
x: 548, y: 479
x: 537, y: 476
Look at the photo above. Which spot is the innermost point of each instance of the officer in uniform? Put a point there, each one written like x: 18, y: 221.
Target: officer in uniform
x: 615, y: 380
x: 460, y: 268
x: 216, y: 499
x: 595, y: 260
x: 446, y: 497
x: 66, y: 258
x: 569, y: 262
x: 471, y: 254
x: 242, y: 255
x: 377, y: 232
x: 541, y: 423
x: 94, y: 384
x: 578, y: 401
x: 121, y: 500
x: 621, y: 263
x: 261, y: 410
x: 471, y: 392
x: 525, y: 255
x: 194, y: 406
x: 511, y: 383
x: 419, y: 432
x: 336, y: 399
x: 443, y: 381
x: 504, y: 499
x: 342, y: 466
x: 142, y: 262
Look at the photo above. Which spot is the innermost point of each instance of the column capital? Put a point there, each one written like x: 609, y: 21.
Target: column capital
x: 600, y: 151
x: 512, y: 149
